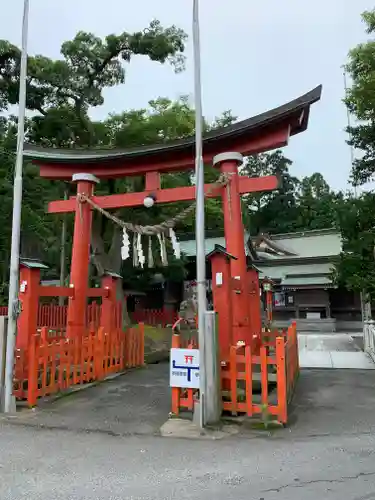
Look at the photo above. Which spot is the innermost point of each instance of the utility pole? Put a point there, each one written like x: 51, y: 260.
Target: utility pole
x: 200, y: 216
x: 16, y: 222
x: 349, y: 125
x: 63, y: 248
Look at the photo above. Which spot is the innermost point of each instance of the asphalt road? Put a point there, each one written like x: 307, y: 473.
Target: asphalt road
x: 38, y: 464
x: 103, y: 444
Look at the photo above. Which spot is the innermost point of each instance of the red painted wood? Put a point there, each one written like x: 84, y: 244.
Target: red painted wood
x: 222, y: 302
x: 262, y: 140
x: 108, y: 314
x: 79, y: 273
x: 152, y: 181
x: 254, y: 300
x: 245, y: 185
x: 27, y: 322
x: 235, y: 244
x: 55, y: 291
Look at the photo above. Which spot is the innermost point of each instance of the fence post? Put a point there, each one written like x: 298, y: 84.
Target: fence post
x: 294, y: 325
x: 141, y: 344
x: 29, y: 298
x: 282, y: 396
x: 3, y: 350
x: 175, y: 390
x: 99, y: 354
x: 213, y: 404
x: 32, y: 378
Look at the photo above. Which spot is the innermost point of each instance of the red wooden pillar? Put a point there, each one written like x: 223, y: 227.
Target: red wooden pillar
x: 222, y: 297
x: 235, y: 245
x: 79, y: 271
x: 254, y: 301
x: 109, y: 311
x: 29, y: 298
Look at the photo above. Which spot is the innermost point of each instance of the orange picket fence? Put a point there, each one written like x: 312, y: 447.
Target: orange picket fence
x: 50, y: 366
x: 154, y: 317
x: 261, y: 383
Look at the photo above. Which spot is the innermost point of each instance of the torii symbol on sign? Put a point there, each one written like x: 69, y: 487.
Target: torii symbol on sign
x: 188, y: 359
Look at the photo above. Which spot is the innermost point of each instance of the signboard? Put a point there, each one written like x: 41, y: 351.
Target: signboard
x: 279, y: 299
x: 184, y: 368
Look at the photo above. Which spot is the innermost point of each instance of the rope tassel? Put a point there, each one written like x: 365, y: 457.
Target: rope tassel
x: 163, y: 250
x: 150, y: 256
x: 141, y: 257
x: 135, y: 251
x: 125, y: 249
x: 175, y: 244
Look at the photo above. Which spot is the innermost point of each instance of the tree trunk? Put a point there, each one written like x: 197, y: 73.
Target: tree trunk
x: 109, y: 261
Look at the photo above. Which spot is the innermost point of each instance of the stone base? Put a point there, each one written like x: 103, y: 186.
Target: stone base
x: 186, y: 429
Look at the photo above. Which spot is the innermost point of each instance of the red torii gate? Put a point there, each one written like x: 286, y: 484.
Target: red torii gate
x: 261, y: 133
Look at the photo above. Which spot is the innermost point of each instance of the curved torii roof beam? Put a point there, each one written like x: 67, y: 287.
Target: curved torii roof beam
x: 260, y: 133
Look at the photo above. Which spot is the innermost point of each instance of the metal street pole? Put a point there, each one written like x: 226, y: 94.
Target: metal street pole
x: 16, y: 222
x: 349, y: 126
x: 199, y: 216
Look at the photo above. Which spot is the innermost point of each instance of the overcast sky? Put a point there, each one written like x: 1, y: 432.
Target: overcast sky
x: 255, y: 55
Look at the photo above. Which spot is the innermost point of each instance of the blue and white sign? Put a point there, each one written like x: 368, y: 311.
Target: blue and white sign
x: 184, y: 368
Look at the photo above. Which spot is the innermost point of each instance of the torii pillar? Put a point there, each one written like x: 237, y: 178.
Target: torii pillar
x: 79, y: 272
x: 243, y: 328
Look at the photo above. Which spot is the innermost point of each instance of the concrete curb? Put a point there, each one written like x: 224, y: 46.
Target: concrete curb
x: 186, y: 429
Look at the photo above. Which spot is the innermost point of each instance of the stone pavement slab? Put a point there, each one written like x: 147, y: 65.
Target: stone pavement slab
x: 333, y: 351
x: 355, y: 360
x: 313, y: 359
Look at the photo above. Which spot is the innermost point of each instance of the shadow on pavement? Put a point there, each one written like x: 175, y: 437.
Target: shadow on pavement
x: 136, y: 403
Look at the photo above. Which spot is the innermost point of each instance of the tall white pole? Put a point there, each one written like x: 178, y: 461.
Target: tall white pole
x: 199, y: 217
x: 349, y: 125
x: 16, y: 222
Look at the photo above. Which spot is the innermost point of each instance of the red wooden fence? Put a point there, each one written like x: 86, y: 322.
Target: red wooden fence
x: 48, y: 367
x: 55, y: 317
x: 276, y: 363
x: 155, y: 317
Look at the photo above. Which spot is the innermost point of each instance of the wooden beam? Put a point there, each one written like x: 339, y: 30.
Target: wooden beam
x: 98, y: 292
x: 247, y: 185
x: 55, y: 291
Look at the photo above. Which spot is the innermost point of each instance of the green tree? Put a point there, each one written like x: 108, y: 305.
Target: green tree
x: 355, y: 268
x: 317, y: 204
x: 360, y: 100
x: 262, y: 210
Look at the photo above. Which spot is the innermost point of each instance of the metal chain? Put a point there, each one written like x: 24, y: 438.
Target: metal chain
x: 223, y: 181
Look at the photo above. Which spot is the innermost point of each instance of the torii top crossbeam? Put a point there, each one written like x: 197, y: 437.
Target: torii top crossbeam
x: 260, y: 133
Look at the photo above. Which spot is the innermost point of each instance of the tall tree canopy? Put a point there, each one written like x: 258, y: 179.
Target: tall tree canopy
x: 356, y: 266
x: 355, y: 216
x: 360, y: 100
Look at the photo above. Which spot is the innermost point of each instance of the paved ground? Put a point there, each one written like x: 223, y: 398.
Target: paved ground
x: 136, y: 403
x: 103, y: 444
x: 333, y: 351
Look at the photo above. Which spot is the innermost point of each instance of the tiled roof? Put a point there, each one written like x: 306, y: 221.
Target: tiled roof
x: 321, y: 243
x: 280, y: 272
x: 188, y: 247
